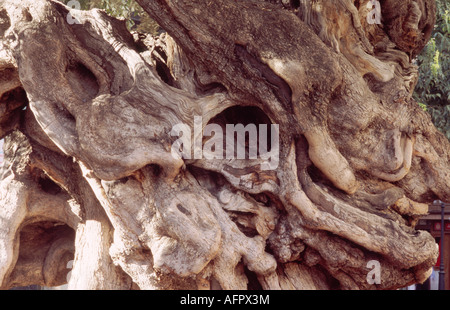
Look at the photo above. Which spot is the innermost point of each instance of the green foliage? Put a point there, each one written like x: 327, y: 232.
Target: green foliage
x: 125, y: 9
x: 433, y: 89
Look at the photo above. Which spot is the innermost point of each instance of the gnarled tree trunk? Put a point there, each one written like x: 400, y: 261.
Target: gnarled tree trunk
x: 89, y: 111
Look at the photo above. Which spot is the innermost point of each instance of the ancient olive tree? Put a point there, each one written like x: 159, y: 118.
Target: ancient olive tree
x: 118, y: 153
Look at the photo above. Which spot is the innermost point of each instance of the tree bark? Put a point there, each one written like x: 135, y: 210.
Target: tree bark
x: 88, y: 112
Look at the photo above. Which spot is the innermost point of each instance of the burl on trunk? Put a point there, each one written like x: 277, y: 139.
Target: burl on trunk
x: 120, y: 147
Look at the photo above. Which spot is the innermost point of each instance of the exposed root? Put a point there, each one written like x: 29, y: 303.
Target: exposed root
x: 325, y: 156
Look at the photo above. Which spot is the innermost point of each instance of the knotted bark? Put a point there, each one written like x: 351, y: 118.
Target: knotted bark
x: 88, y: 112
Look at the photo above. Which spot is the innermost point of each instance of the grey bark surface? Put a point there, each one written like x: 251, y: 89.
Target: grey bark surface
x: 86, y: 110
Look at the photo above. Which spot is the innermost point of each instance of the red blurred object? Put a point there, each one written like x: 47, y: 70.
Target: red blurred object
x: 437, y: 226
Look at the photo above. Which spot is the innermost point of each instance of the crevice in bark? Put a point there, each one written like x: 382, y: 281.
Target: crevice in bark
x: 253, y: 282
x: 159, y: 52
x: 242, y: 219
x: 295, y: 3
x: 47, y: 185
x: 13, y: 103
x: 245, y: 115
x: 82, y: 81
x: 45, y: 249
x: 5, y: 22
x: 211, y: 88
x: 164, y: 73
